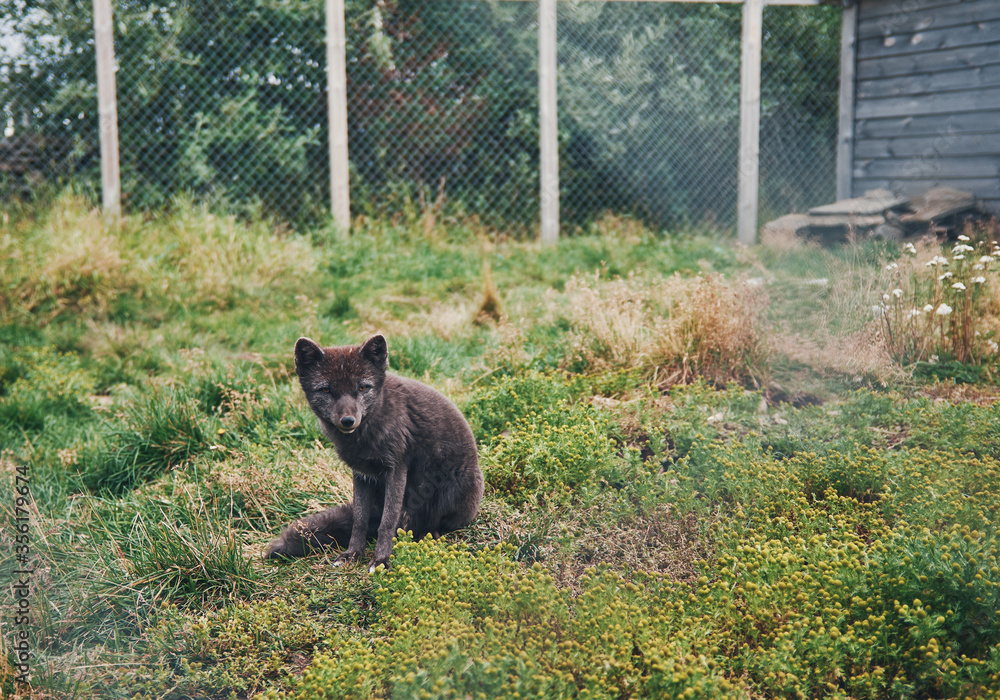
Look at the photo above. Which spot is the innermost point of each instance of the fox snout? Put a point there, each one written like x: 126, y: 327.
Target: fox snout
x: 347, y: 414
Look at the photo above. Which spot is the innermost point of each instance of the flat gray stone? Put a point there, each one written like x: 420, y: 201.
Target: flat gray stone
x: 871, y: 203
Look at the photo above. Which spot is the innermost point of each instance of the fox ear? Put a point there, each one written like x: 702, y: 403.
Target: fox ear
x: 375, y: 351
x: 307, y: 352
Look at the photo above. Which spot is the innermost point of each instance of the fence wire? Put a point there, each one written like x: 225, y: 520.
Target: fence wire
x: 224, y: 101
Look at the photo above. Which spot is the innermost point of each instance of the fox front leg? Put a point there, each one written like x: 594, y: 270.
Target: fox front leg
x: 364, y: 499
x: 395, y: 489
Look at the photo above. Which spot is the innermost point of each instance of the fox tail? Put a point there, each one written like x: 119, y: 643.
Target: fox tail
x: 329, y: 528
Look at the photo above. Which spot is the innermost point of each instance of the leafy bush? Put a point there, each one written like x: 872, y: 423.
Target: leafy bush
x: 508, y: 400
x: 566, y: 454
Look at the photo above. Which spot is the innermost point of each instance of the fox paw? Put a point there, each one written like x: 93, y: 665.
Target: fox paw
x: 376, y: 562
x: 347, y: 557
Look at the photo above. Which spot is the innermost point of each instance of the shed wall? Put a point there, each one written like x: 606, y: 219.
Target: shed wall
x: 927, y: 97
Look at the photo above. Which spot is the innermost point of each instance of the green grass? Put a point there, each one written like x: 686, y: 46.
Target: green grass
x: 824, y: 525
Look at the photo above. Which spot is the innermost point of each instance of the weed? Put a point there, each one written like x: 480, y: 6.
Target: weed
x: 937, y: 307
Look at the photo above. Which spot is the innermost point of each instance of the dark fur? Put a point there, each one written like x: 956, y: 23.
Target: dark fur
x: 412, y: 452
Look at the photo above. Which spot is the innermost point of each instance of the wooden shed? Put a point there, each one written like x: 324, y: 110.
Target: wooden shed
x: 920, y: 98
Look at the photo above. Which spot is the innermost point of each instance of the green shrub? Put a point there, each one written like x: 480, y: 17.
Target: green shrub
x: 507, y: 400
x: 568, y: 453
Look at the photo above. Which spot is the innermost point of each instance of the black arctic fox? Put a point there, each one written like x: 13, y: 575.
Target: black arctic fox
x: 412, y: 452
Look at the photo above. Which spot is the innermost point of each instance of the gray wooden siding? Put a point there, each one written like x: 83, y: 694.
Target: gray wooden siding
x: 927, y: 97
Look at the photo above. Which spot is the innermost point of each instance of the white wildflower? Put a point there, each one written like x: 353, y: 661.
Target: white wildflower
x: 897, y: 293
x: 933, y: 359
x: 993, y: 345
x: 885, y: 297
x: 891, y: 266
x: 958, y: 257
x: 914, y: 313
x: 945, y: 276
x: 909, y: 248
x: 943, y: 310
x: 977, y: 266
x: 958, y: 285
x: 978, y: 280
x: 963, y: 237
x: 928, y: 308
x: 986, y: 259
x: 962, y: 248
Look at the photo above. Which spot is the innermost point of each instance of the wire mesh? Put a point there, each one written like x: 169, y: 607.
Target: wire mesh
x: 649, y: 104
x: 800, y: 84
x: 225, y: 101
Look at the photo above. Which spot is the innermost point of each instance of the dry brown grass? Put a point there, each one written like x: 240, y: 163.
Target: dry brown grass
x: 490, y: 308
x: 676, y: 327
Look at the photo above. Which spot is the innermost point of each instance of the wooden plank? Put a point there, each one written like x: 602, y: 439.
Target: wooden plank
x: 845, y: 126
x: 926, y: 125
x: 939, y: 81
x: 920, y: 168
x: 984, y: 100
x: 982, y: 188
x: 923, y: 18
x: 931, y: 40
x: 897, y: 10
x: 749, y: 177
x: 336, y: 71
x: 107, y: 109
x: 942, y: 144
x: 548, y: 120
x: 990, y: 205
x: 871, y: 67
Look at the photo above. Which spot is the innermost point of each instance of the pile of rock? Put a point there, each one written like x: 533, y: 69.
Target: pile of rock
x: 881, y: 214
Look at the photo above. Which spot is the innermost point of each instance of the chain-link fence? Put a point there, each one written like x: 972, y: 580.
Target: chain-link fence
x: 224, y: 101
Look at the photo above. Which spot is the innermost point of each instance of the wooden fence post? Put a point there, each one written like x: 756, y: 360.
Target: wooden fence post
x: 336, y: 82
x: 845, y: 131
x: 749, y: 183
x: 548, y: 120
x: 107, y: 108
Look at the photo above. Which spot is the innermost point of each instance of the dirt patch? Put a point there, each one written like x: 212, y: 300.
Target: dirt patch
x: 961, y: 393
x: 660, y: 542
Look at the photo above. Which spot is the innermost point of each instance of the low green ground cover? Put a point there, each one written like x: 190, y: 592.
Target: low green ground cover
x: 715, y: 479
